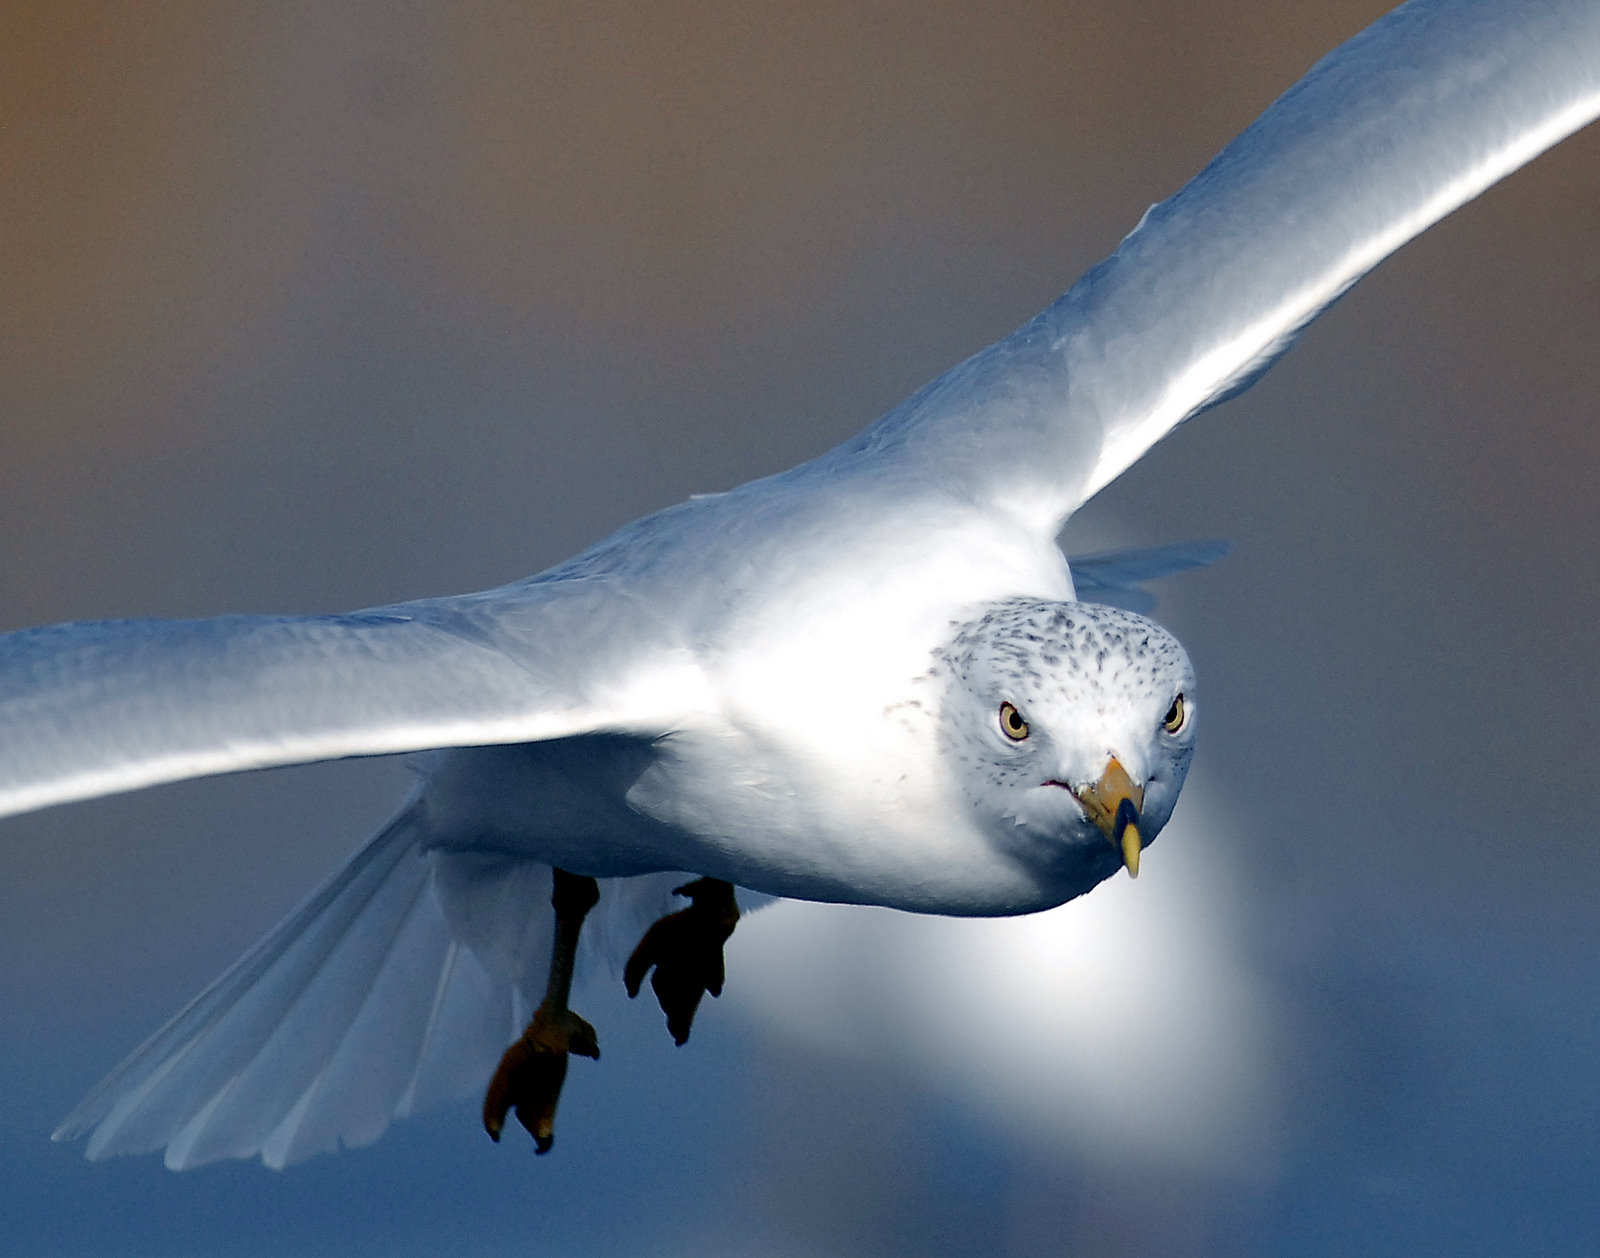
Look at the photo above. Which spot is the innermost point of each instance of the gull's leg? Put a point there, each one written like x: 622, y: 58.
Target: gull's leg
x: 686, y: 950
x: 533, y: 1069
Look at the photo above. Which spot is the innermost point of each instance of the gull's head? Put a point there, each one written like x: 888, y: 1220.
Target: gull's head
x: 1071, y: 728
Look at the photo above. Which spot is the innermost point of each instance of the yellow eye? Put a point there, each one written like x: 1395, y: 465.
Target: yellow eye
x: 1011, y: 723
x: 1177, y: 716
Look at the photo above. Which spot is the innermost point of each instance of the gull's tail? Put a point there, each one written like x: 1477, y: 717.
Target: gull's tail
x: 395, y: 986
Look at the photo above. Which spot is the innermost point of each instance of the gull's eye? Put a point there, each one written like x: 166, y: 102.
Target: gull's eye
x: 1011, y: 723
x: 1177, y: 716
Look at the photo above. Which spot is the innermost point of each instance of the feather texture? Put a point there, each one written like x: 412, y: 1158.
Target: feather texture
x: 393, y: 988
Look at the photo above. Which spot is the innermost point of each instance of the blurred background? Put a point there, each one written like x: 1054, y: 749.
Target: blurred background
x: 305, y: 307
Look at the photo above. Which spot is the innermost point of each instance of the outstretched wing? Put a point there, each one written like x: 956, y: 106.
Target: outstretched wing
x: 1387, y: 134
x: 90, y: 709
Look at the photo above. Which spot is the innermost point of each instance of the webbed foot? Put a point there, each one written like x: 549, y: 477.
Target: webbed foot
x: 532, y: 1071
x: 685, y: 948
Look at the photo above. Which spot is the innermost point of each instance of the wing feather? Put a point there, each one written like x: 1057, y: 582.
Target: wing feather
x: 90, y: 709
x: 1415, y: 116
x: 1118, y: 577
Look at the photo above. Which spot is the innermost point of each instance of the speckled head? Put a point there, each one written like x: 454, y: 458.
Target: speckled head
x: 1067, y: 723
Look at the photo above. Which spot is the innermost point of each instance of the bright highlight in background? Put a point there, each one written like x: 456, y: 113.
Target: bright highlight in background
x: 1127, y: 1024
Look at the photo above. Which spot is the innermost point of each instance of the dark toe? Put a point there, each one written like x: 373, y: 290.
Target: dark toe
x: 685, y: 951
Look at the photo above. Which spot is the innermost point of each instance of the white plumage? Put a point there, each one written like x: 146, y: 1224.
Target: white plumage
x: 394, y: 987
x: 748, y: 685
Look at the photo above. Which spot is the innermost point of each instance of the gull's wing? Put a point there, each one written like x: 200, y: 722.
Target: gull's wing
x: 1387, y: 134
x: 1118, y: 577
x: 90, y: 709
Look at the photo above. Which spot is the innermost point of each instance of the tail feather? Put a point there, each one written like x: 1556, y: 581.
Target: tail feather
x: 300, y: 1041
x: 361, y: 1004
x: 372, y: 1069
x: 395, y: 986
x: 137, y: 1108
x: 466, y: 1031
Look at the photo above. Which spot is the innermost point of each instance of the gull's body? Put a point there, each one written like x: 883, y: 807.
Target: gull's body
x: 735, y: 687
x: 777, y: 699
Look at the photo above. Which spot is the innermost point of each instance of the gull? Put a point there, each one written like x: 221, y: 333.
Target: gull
x: 870, y: 679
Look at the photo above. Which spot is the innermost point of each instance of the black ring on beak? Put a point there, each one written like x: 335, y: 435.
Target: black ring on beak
x: 1127, y: 815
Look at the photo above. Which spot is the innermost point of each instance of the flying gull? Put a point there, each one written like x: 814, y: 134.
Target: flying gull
x: 869, y: 679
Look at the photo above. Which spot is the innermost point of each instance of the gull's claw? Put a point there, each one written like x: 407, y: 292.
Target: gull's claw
x: 532, y: 1071
x: 685, y: 948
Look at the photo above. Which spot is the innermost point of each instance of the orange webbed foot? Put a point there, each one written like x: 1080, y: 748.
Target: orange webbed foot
x: 531, y: 1073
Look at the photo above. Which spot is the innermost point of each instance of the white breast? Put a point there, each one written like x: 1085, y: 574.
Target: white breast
x: 819, y: 774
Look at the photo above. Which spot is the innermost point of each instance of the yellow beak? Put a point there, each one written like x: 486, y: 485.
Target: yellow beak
x: 1113, y: 804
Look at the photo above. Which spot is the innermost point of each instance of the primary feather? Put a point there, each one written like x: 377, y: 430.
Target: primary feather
x: 1387, y: 134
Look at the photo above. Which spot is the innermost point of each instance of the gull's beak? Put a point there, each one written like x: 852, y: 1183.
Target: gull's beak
x: 1113, y: 804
